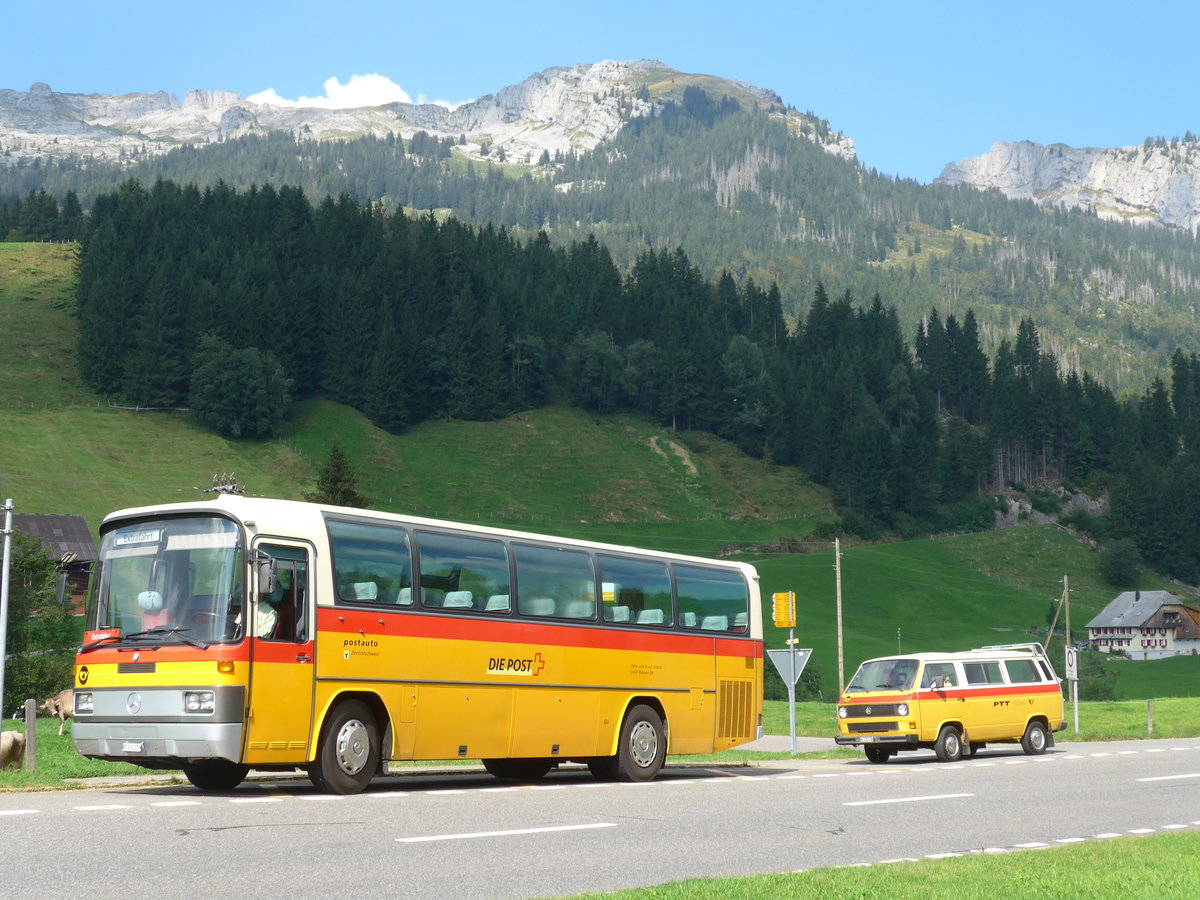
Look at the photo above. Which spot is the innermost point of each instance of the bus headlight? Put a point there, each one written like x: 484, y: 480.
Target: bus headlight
x: 902, y: 709
x: 199, y: 701
x: 842, y: 713
x: 83, y: 702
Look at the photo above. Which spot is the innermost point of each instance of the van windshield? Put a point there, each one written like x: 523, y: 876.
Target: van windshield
x: 884, y: 675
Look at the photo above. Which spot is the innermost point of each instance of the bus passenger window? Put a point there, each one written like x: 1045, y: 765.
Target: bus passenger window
x: 718, y: 600
x: 636, y: 591
x: 459, y: 573
x: 554, y: 581
x: 371, y: 563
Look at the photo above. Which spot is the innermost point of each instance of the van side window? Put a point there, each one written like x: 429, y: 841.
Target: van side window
x: 939, y: 675
x: 983, y: 672
x: 1021, y: 671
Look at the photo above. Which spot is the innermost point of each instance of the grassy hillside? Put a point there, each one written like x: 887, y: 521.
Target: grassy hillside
x: 618, y: 479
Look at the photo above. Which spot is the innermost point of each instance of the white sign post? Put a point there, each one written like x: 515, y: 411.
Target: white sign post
x: 1073, y: 678
x: 790, y: 663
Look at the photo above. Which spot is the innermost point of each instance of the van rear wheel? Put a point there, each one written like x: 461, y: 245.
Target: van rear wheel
x: 948, y: 745
x: 1034, y: 742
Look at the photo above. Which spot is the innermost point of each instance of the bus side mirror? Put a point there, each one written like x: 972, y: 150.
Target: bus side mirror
x: 266, y: 575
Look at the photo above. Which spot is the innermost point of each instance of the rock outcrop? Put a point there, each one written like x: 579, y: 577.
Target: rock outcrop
x: 1155, y: 183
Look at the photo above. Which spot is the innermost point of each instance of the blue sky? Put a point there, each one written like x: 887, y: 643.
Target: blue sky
x: 916, y: 85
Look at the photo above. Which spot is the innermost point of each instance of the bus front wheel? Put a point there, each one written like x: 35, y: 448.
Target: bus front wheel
x: 215, y: 774
x: 348, y: 754
x: 643, y: 745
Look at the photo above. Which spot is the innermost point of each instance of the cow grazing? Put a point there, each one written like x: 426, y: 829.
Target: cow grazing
x: 62, y: 705
x: 12, y: 749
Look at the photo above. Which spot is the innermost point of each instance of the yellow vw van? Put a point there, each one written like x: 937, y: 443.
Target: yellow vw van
x: 952, y: 703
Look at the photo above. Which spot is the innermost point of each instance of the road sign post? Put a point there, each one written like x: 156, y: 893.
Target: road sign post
x: 1073, y: 678
x: 788, y: 663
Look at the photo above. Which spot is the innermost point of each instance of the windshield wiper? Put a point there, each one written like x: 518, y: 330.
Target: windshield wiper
x: 179, y: 632
x: 855, y: 687
x: 92, y: 645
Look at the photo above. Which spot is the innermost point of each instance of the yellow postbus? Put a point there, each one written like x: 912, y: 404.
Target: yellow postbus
x: 238, y: 633
x: 952, y: 703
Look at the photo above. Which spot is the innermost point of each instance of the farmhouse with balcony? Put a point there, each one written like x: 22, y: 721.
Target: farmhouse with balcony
x: 1146, y: 625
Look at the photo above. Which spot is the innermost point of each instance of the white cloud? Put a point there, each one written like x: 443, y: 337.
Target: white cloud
x: 360, y: 90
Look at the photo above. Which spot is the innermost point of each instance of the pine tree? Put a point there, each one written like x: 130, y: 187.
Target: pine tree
x: 337, y: 483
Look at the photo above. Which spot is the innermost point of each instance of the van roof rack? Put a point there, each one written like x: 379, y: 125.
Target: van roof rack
x: 1033, y: 647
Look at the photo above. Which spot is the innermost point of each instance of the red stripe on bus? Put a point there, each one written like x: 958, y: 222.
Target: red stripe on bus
x: 519, y: 631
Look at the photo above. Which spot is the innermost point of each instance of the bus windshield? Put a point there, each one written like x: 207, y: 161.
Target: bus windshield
x: 169, y: 581
x: 884, y: 675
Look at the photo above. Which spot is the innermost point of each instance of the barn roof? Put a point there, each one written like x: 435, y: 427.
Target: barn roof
x: 59, y: 533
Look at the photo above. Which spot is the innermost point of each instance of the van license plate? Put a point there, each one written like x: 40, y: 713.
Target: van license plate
x: 133, y: 747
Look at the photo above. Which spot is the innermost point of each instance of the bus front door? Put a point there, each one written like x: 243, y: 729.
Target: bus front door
x: 279, y: 719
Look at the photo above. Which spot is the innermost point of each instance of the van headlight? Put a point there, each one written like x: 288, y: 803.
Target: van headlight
x: 842, y: 713
x: 83, y: 702
x: 199, y: 701
x: 902, y: 709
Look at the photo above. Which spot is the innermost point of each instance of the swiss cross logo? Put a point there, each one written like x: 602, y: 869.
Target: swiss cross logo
x: 538, y: 663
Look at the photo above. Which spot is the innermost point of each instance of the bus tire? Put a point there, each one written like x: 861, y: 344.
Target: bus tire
x: 1034, y: 741
x: 643, y: 745
x: 215, y: 774
x: 518, y: 769
x: 348, y: 753
x: 877, y: 754
x: 948, y: 745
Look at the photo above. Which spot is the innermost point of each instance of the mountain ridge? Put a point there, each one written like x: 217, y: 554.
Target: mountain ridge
x: 560, y: 109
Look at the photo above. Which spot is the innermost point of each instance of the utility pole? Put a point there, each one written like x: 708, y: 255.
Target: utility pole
x: 837, y: 567
x: 4, y: 574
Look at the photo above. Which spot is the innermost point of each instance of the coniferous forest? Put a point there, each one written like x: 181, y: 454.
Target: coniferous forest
x: 233, y: 302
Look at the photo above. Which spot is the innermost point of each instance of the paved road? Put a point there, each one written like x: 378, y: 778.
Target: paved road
x: 467, y: 835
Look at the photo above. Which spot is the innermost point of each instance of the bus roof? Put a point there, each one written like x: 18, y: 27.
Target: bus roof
x: 287, y: 517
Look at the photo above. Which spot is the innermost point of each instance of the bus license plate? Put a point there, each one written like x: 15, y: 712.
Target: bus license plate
x: 133, y: 747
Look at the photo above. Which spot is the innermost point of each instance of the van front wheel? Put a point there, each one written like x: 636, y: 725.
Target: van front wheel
x: 1034, y: 742
x: 948, y: 745
x: 877, y: 754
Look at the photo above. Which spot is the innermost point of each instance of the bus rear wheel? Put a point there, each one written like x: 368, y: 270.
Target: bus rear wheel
x: 348, y: 753
x: 517, y: 769
x: 642, y: 747
x: 215, y: 774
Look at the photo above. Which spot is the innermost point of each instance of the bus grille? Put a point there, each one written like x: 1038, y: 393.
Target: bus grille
x: 735, y: 709
x: 135, y: 668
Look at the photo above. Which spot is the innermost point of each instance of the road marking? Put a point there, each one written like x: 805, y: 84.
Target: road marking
x: 906, y: 799
x: 1031, y: 845
x: 1173, y: 827
x: 511, y: 832
x: 1141, y: 831
x: 322, y: 797
x: 1070, y: 840
x: 176, y: 803
x: 101, y: 806
x: 17, y: 812
x: 1170, y: 777
x: 256, y: 799
x: 1108, y: 834
x: 1127, y: 753
x: 395, y: 795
